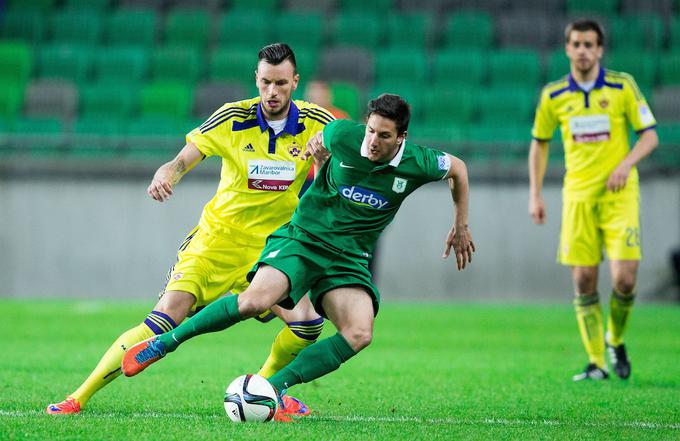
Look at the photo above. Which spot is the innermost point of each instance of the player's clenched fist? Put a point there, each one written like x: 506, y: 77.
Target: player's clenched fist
x: 160, y: 190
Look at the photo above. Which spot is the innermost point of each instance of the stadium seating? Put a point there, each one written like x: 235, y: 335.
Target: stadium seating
x: 353, y: 65
x: 667, y: 104
x: 188, y: 27
x: 77, y: 27
x: 472, y: 29
x: 25, y: 24
x: 132, y: 27
x: 17, y: 62
x: 121, y: 64
x: 402, y: 66
x: 109, y: 101
x: 411, y: 30
x: 358, y: 29
x: 456, y: 68
x: 346, y: 96
x: 249, y: 30
x: 176, y: 64
x: 51, y: 98
x: 165, y: 99
x: 68, y: 61
x: 208, y: 97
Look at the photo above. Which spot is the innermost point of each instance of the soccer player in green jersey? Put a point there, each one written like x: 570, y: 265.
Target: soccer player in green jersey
x: 593, y: 108
x: 326, y: 247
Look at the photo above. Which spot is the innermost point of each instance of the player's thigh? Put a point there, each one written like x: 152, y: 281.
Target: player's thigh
x: 620, y: 224
x: 210, y: 266
x: 350, y: 308
x: 303, y: 311
x: 268, y: 287
x: 580, y: 237
x: 176, y: 304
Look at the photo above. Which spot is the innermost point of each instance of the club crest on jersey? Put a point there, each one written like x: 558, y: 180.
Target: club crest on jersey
x: 363, y: 196
x: 399, y: 185
x: 294, y: 150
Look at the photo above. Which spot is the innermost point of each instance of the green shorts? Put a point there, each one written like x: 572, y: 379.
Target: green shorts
x: 313, y: 266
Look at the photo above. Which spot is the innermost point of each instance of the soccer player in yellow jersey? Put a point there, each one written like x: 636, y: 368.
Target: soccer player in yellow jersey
x: 593, y: 108
x: 260, y: 141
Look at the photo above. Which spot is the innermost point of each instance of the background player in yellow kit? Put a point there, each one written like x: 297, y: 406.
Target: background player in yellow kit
x: 593, y: 108
x: 260, y: 141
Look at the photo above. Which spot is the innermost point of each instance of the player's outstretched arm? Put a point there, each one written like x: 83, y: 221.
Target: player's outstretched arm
x: 538, y: 160
x: 459, y: 238
x: 316, y: 149
x: 643, y: 147
x: 170, y: 173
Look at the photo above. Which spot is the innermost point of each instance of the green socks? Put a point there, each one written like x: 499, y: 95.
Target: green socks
x: 217, y: 316
x: 314, y: 361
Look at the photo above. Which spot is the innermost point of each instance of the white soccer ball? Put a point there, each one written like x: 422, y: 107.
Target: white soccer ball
x: 250, y: 398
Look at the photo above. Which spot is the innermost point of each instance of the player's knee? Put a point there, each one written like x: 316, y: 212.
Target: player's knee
x: 251, y: 306
x: 359, y: 338
x: 625, y: 284
x: 585, y: 283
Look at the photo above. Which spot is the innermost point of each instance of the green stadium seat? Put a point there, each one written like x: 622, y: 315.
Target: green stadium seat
x: 515, y: 68
x: 299, y: 30
x: 409, y: 30
x: 668, y: 152
x: 154, y: 137
x: 188, y: 27
x: 358, y: 29
x: 601, y: 7
x: 17, y: 62
x: 176, y: 64
x: 505, y: 143
x: 77, y: 27
x: 23, y: 24
x: 68, y: 61
x: 88, y: 5
x: 467, y: 30
x: 637, y: 33
x: 390, y: 65
x: 268, y: 6
x: 558, y: 65
x: 444, y: 106
x: 446, y: 137
x: 347, y: 97
x: 233, y: 65
x: 460, y: 68
x: 11, y: 100
x: 669, y: 68
x: 38, y: 136
x: 641, y: 65
x: 132, y: 27
x: 165, y: 99
x: 674, y: 39
x: 379, y: 6
x: 307, y: 60
x: 499, y: 106
x: 108, y: 101
x: 96, y: 136
x: 38, y: 5
x: 121, y: 64
x: 244, y: 29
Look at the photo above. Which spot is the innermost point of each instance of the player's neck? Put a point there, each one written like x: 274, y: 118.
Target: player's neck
x: 586, y: 76
x: 276, y: 117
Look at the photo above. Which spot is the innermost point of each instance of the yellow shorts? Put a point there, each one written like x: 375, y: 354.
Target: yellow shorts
x: 211, y: 265
x: 588, y: 226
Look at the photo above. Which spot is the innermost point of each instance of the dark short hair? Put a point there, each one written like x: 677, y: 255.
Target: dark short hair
x: 583, y: 25
x: 391, y: 107
x: 276, y: 54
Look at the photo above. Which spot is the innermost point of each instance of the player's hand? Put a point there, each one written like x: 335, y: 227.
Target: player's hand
x: 617, y: 180
x: 316, y: 149
x: 460, y: 239
x: 537, y: 209
x: 160, y: 189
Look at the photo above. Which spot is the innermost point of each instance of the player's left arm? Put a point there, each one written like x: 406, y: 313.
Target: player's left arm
x: 640, y: 117
x: 459, y: 237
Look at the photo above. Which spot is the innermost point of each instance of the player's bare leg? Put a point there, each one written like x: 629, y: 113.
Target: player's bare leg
x: 172, y: 308
x: 590, y: 323
x: 624, y: 278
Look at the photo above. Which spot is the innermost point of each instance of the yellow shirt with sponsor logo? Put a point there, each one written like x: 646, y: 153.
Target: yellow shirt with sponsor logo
x: 594, y: 128
x: 262, y: 173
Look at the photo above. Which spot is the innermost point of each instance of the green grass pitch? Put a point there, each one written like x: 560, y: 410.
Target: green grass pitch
x: 434, y: 371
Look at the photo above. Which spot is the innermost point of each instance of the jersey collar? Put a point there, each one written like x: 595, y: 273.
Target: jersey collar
x: 394, y: 162
x: 291, y: 125
x: 599, y: 82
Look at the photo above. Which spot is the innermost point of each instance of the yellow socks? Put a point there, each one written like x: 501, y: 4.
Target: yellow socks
x: 108, y: 367
x: 289, y: 342
x: 589, y: 318
x: 620, y: 306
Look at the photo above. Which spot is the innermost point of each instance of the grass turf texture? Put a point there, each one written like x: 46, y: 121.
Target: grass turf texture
x: 444, y: 371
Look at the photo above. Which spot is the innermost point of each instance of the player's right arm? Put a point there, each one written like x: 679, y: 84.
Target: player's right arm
x: 545, y: 124
x: 170, y: 173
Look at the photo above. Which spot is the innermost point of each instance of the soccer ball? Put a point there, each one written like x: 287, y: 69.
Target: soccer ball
x: 250, y: 398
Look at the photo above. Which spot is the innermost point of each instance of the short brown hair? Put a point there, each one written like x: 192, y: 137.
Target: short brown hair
x: 583, y: 25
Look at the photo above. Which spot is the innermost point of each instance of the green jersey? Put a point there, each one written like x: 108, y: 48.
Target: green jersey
x: 352, y: 199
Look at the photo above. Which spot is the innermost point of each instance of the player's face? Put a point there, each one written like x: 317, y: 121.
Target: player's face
x: 583, y: 51
x: 276, y: 84
x: 382, y: 139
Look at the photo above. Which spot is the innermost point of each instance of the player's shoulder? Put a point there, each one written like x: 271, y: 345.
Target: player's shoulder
x: 313, y: 113
x: 614, y: 77
x: 237, y: 110
x: 556, y: 87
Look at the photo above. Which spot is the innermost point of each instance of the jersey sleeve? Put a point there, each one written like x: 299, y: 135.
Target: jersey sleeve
x: 637, y: 110
x: 208, y: 139
x: 434, y: 163
x: 333, y: 131
x: 545, y: 121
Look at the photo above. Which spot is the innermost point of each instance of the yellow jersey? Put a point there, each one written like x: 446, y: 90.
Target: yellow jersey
x: 261, y: 171
x: 594, y: 126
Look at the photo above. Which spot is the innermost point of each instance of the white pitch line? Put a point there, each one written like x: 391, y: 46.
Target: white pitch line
x: 377, y: 419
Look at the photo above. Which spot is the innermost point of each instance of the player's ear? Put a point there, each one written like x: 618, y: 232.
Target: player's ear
x: 296, y: 81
